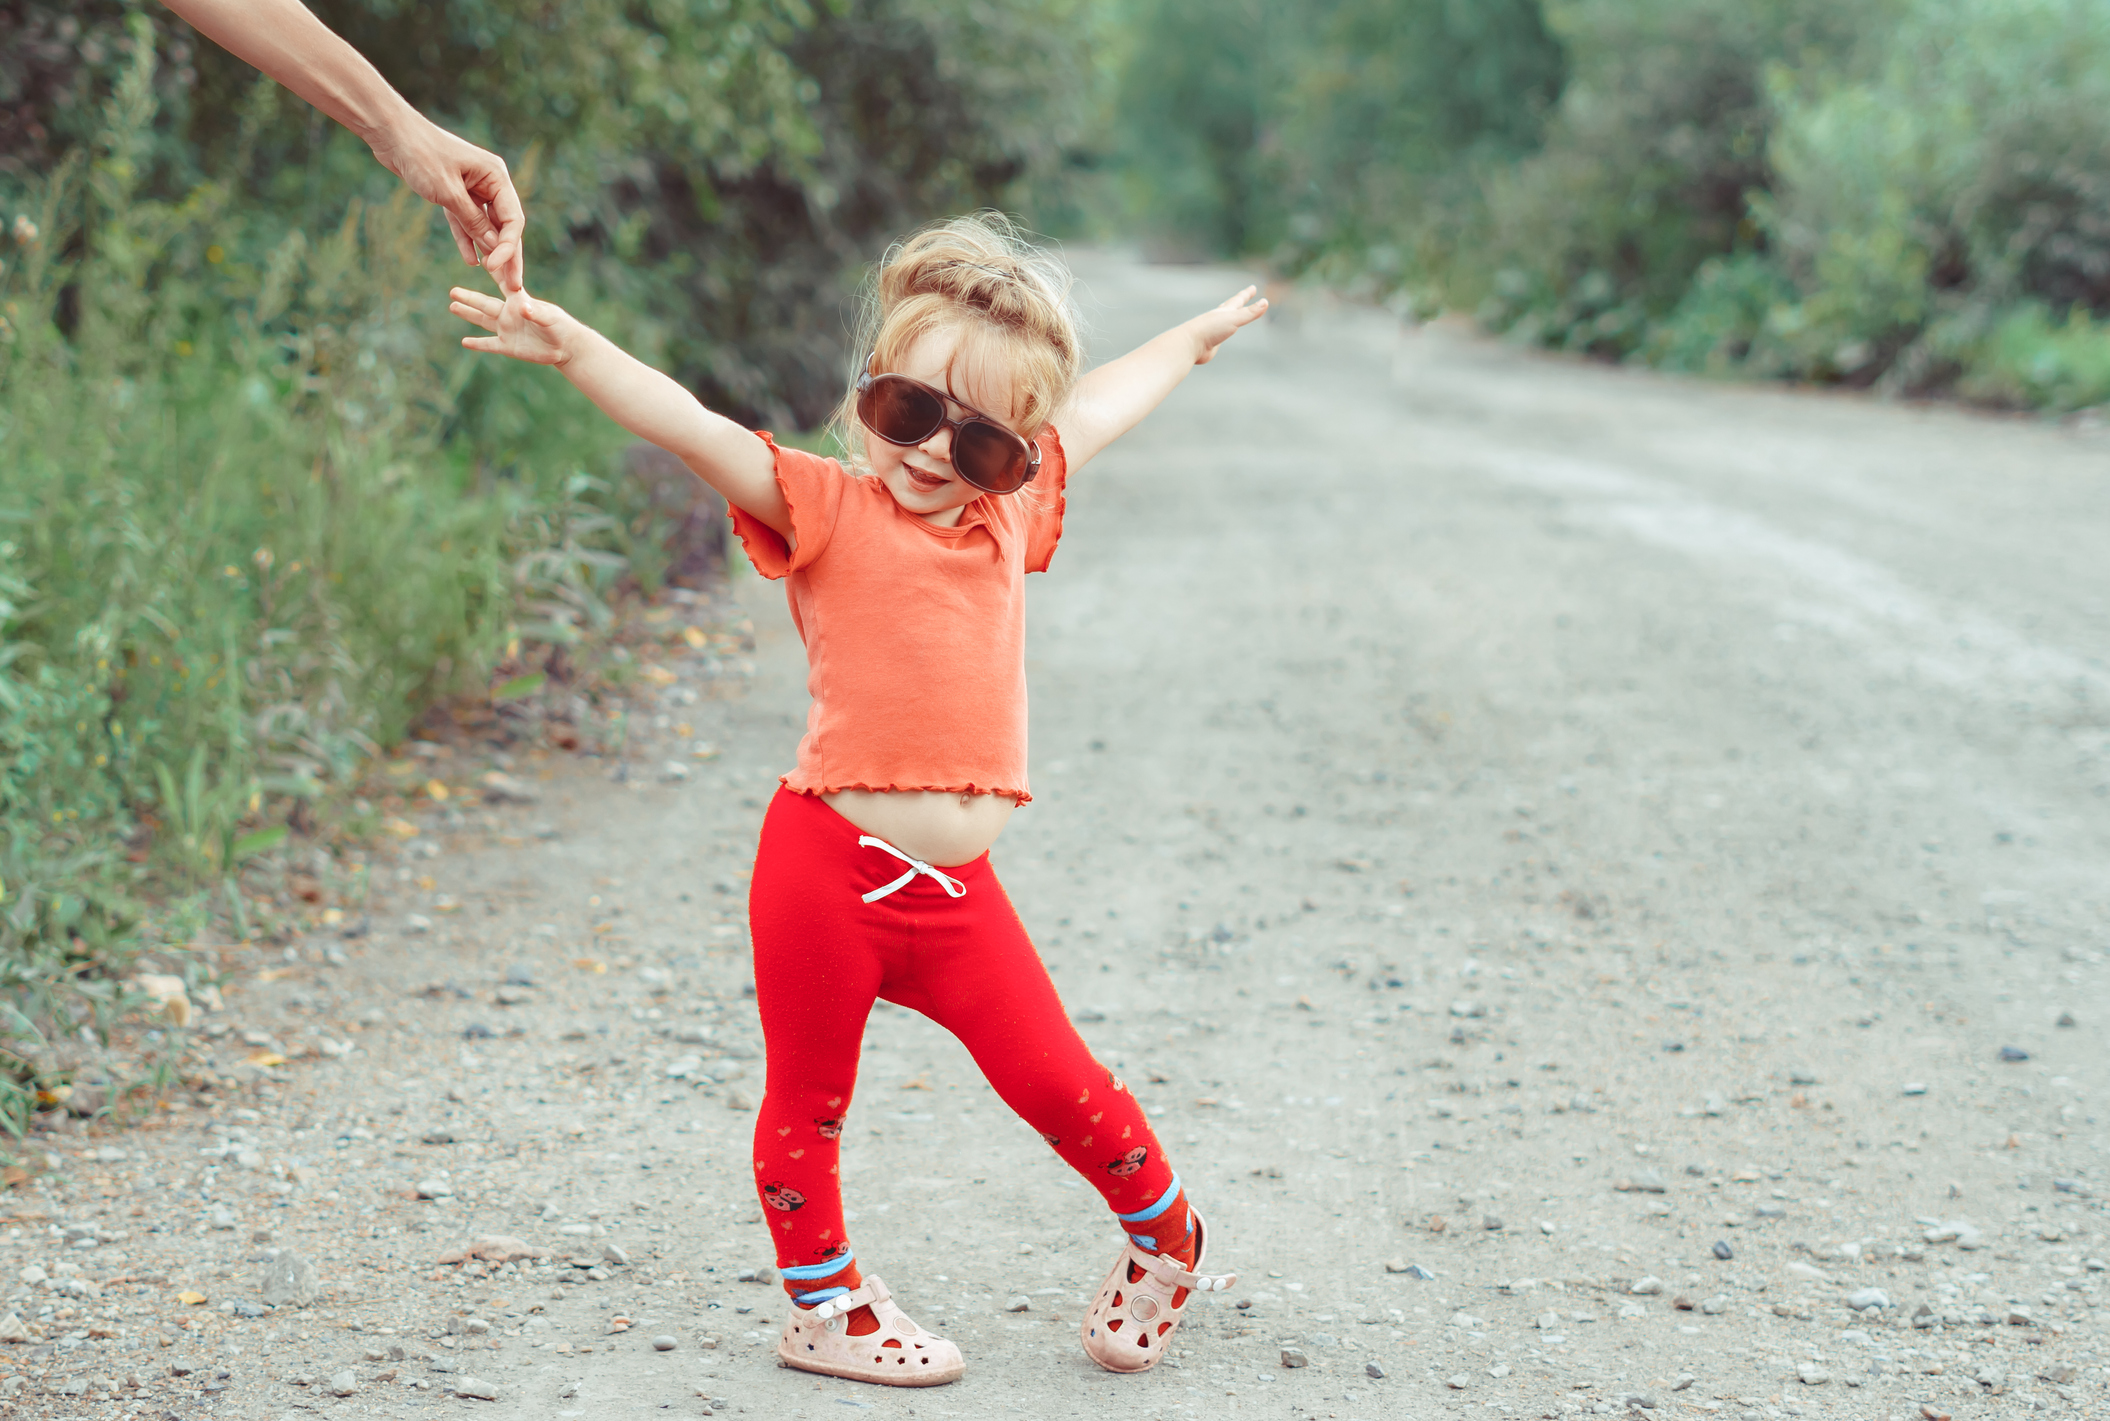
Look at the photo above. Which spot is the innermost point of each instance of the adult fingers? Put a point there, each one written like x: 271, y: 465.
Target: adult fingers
x: 461, y: 238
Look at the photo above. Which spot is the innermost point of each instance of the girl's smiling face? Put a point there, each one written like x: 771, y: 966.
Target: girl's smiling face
x: 922, y: 478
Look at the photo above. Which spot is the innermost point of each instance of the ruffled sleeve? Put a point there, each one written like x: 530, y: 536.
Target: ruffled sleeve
x: 1044, y: 520
x: 813, y: 490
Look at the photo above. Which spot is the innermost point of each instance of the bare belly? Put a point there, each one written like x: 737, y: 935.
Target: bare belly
x: 942, y: 829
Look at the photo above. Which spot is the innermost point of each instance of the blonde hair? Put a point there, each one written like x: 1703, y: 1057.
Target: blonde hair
x: 1007, y: 298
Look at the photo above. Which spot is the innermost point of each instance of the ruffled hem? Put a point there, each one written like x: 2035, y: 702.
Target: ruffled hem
x: 970, y: 788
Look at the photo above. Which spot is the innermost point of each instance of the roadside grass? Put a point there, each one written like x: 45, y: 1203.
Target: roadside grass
x: 258, y: 512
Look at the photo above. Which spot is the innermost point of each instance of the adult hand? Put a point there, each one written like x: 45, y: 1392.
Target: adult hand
x: 470, y: 185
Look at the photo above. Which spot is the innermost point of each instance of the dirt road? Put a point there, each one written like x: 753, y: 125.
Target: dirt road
x: 1560, y: 852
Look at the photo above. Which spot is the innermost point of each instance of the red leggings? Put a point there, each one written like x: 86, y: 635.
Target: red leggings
x: 822, y: 955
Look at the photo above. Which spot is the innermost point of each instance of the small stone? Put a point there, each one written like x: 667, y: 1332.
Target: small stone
x: 1636, y: 1401
x: 663, y: 1343
x: 1716, y: 1305
x: 1324, y: 1339
x: 502, y: 788
x: 1867, y: 1298
x: 1722, y: 1250
x: 1915, y: 1088
x: 1415, y: 1270
x: 1491, y: 1224
x: 2013, y: 1053
x: 435, y: 1189
x: 1812, y: 1374
x: 2066, y: 1019
x: 1459, y: 1382
x: 1647, y: 1287
x: 242, y: 1307
x: 1549, y: 1322
x: 1396, y: 1265
x: 1467, y: 1321
x: 1294, y: 1357
x: 567, y: 1391
x: 417, y: 923
x: 2018, y: 1317
x: 1684, y: 1381
x: 222, y: 1218
x: 1374, y: 1371
x: 1469, y: 1009
x: 33, y: 1275
x: 476, y: 1387
x: 290, y: 1279
x: 1647, y: 1181
x: 1809, y: 1272
x: 1990, y: 1376
x: 475, y: 1326
x: 1683, y: 1303
x: 2059, y: 1374
x: 1019, y: 1303
x: 12, y: 1329
x: 616, y: 1254
x: 342, y: 1383
x: 673, y: 772
x: 1923, y: 1316
x: 1545, y: 1226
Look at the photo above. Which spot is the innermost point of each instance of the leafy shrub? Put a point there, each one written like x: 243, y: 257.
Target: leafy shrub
x: 1960, y: 169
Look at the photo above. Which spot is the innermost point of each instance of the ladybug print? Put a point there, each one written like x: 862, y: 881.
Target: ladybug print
x: 831, y: 1250
x: 1054, y: 1141
x: 1129, y: 1163
x: 830, y: 1129
x: 783, y: 1196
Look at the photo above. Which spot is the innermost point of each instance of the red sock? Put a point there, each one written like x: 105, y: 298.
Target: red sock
x: 817, y: 1287
x: 1170, y: 1229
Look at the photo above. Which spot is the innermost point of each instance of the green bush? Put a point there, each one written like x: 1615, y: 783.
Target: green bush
x: 1959, y: 172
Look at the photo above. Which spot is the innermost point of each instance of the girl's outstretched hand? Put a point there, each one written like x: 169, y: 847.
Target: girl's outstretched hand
x: 539, y: 332
x: 1212, y: 328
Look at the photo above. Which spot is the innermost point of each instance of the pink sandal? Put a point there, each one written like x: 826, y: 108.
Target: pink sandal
x: 899, y: 1354
x: 1129, y: 1325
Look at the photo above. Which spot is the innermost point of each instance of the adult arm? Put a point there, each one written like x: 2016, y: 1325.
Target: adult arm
x: 1113, y: 399
x: 285, y: 40
x: 650, y: 405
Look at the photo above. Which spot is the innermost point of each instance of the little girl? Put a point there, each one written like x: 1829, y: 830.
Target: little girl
x: 905, y: 573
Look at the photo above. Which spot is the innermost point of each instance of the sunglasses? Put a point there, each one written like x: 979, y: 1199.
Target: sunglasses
x: 907, y: 412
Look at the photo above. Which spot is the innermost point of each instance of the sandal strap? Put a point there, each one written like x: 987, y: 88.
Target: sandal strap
x: 871, y: 1290
x: 1172, y: 1276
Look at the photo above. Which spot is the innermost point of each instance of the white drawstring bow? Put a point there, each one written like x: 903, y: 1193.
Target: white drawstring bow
x: 952, y: 886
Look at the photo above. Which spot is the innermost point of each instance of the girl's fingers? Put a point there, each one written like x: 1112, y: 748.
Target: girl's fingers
x: 473, y: 316
x: 476, y: 301
x: 492, y: 344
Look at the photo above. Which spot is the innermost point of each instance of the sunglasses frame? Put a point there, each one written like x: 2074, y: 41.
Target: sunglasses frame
x: 866, y: 379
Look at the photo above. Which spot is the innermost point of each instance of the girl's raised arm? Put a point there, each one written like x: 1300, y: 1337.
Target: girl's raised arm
x: 1114, y: 398
x: 647, y: 403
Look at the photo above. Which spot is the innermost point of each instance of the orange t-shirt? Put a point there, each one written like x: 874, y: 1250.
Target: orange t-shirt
x: 915, y: 635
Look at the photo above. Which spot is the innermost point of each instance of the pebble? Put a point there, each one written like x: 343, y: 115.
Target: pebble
x: 1020, y: 1303
x: 12, y: 1329
x: 502, y: 788
x: 1684, y: 1381
x: 2013, y: 1053
x: 1867, y: 1298
x: 2018, y: 1317
x: 1549, y: 1321
x: 1812, y: 1374
x: 476, y: 1387
x: 663, y: 1343
x: 1647, y: 1288
x: 34, y: 1275
x: 2066, y: 1019
x: 1491, y: 1224
x: 342, y: 1384
x: 1647, y: 1181
x: 1467, y: 1321
x: 1723, y: 1251
x: 1294, y: 1357
x: 1374, y: 1371
x: 1396, y: 1265
x: 1915, y: 1088
x: 1459, y: 1382
x: 417, y: 923
x: 1415, y: 1270
x: 435, y: 1189
x: 616, y: 1254
x: 222, y: 1218
x: 1716, y: 1305
x: 290, y: 1278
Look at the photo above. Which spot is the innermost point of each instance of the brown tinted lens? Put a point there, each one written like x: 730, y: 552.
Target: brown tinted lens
x: 989, y: 456
x: 900, y: 411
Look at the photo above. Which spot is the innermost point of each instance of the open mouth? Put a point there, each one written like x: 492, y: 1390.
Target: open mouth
x: 922, y: 482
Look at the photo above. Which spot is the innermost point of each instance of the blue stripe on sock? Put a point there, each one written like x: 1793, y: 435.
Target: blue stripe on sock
x: 819, y: 1270
x: 820, y: 1296
x: 1144, y: 1216
x: 1144, y: 1240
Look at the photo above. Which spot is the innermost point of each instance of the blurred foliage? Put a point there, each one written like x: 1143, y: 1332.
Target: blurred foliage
x: 1913, y: 194
x: 257, y: 508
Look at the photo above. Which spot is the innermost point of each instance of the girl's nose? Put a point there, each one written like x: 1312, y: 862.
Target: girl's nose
x: 939, y: 445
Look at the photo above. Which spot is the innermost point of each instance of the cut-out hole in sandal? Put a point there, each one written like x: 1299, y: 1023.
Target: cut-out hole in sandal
x: 1179, y: 1299
x: 891, y: 1342
x: 1113, y: 1324
x: 1163, y: 1328
x: 1135, y: 1275
x: 1142, y: 1339
x: 1117, y: 1299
